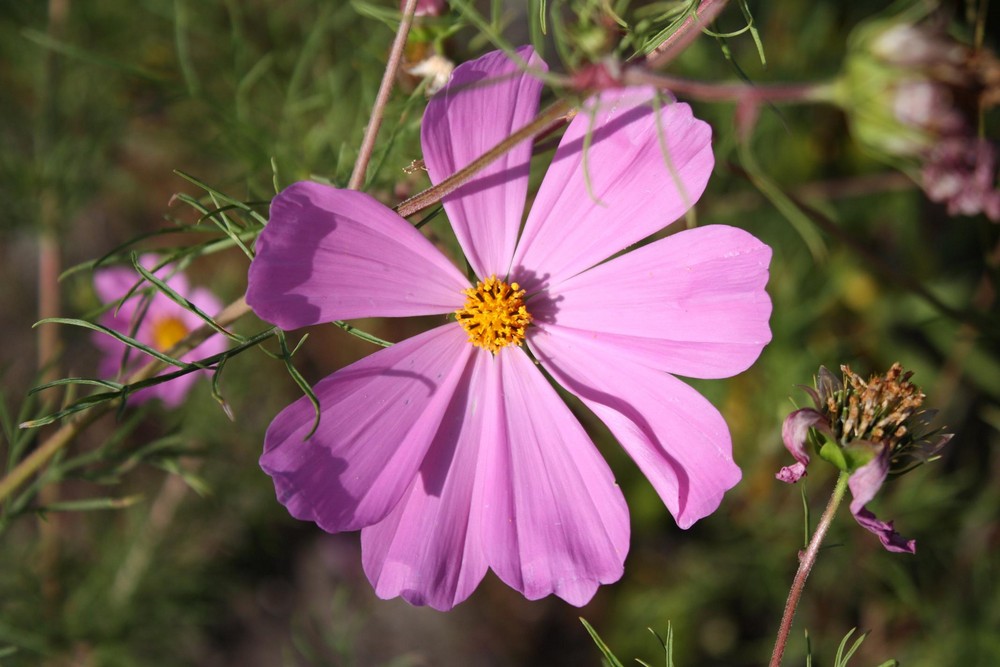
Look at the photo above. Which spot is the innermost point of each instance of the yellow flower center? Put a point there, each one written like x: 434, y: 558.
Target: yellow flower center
x: 494, y: 315
x: 167, y: 332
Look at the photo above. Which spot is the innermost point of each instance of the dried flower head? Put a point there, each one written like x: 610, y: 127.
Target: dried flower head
x: 867, y: 428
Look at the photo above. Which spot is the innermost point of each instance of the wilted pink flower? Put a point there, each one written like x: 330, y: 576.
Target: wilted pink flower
x: 874, y: 428
x: 913, y: 92
x: 962, y: 172
x: 156, y: 321
x: 451, y: 450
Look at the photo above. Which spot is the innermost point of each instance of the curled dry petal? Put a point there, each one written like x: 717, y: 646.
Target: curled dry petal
x: 864, y: 483
x: 794, y: 433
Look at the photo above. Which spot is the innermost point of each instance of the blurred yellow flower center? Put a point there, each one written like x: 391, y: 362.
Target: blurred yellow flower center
x: 167, y: 332
x: 494, y: 315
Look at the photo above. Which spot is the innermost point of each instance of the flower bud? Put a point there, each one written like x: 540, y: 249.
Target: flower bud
x: 912, y: 94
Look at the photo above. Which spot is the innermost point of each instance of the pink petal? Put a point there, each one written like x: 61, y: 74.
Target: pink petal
x: 379, y: 416
x: 429, y: 549
x: 795, y: 434
x: 329, y: 254
x: 114, y: 282
x: 487, y: 100
x: 864, y: 483
x: 633, y: 192
x: 554, y: 519
x: 677, y: 438
x: 692, y: 304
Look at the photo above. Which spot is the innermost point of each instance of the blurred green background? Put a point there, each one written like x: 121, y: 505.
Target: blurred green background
x: 101, y: 102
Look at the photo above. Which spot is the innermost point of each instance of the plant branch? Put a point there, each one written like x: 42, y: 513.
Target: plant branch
x: 540, y: 125
x: 686, y: 33
x: 49, y: 262
x: 806, y: 562
x: 382, y: 98
x: 730, y: 92
x: 68, y: 432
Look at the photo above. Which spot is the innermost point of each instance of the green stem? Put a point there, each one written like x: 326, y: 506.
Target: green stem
x: 806, y: 562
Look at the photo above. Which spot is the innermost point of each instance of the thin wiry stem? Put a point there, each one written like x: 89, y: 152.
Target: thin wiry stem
x: 49, y: 295
x: 806, y: 561
x: 688, y: 31
x: 731, y: 92
x: 539, y: 125
x: 382, y: 98
x: 151, y: 533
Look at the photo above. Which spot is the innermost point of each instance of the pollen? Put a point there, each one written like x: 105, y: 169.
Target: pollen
x: 494, y: 314
x: 167, y: 332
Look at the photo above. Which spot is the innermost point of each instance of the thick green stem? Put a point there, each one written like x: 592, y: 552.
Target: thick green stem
x: 806, y: 561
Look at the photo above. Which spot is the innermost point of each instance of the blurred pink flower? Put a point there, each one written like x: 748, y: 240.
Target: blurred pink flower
x: 914, y: 94
x: 454, y: 458
x: 961, y: 172
x: 156, y: 321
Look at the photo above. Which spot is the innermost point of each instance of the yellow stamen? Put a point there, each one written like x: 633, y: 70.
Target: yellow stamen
x: 167, y: 332
x: 494, y: 315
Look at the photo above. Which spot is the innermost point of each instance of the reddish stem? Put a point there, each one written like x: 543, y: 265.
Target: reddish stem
x: 688, y: 31
x: 730, y: 92
x: 806, y: 562
x: 382, y: 98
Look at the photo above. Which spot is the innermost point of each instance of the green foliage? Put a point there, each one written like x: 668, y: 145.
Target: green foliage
x: 166, y: 126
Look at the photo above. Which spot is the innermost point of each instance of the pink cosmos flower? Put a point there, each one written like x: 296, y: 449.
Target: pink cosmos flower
x: 451, y: 451
x: 156, y: 321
